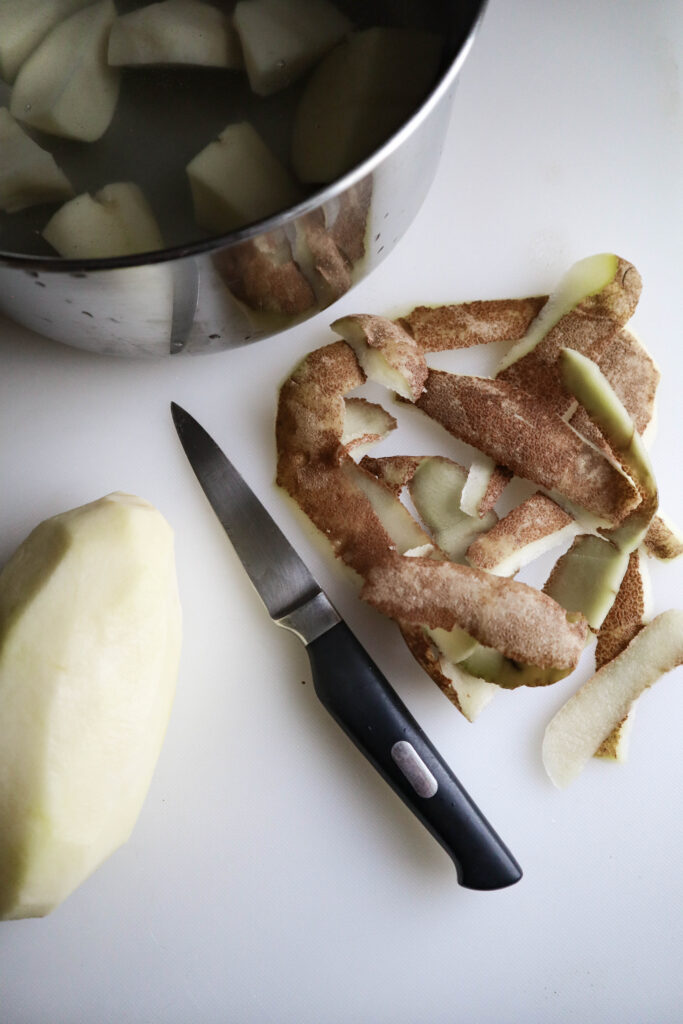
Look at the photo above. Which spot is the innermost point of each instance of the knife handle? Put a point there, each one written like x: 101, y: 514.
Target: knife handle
x: 369, y: 710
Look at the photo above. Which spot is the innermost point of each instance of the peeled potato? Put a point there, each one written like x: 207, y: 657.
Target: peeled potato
x: 281, y: 39
x: 24, y: 24
x: 29, y: 175
x: 359, y: 94
x: 117, y: 221
x: 175, y: 32
x: 66, y: 86
x: 90, y: 634
x: 236, y: 180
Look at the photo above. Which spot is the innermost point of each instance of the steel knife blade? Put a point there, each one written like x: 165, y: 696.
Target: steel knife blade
x: 346, y: 680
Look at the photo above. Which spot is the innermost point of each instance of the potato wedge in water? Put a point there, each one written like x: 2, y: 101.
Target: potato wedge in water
x: 175, y: 32
x: 24, y: 24
x: 66, y: 87
x: 579, y: 727
x: 90, y: 639
x: 357, y: 96
x: 29, y: 175
x: 236, y: 180
x: 117, y: 221
x: 282, y: 39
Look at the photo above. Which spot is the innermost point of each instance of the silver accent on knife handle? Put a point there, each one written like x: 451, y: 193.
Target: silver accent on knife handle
x: 312, y: 619
x: 415, y: 770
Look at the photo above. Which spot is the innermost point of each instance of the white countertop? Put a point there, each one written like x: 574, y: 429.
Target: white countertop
x: 272, y: 876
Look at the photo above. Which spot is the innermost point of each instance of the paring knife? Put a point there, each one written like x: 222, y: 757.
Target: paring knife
x: 345, y: 678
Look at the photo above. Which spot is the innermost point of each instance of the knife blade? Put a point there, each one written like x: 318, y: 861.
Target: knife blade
x: 345, y: 678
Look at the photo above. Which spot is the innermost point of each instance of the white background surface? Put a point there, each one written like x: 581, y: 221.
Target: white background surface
x: 273, y: 877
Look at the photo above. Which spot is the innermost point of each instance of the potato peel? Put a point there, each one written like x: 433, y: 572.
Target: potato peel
x: 515, y: 619
x: 387, y: 353
x: 527, y: 531
x: 464, y: 324
x: 512, y: 428
x: 579, y: 727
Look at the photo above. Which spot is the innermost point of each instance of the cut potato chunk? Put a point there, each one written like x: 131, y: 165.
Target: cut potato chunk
x: 530, y: 529
x: 117, y: 221
x: 175, y: 32
x: 236, y: 181
x: 89, y: 647
x: 29, y: 175
x: 580, y: 726
x: 592, y: 303
x: 436, y: 488
x: 515, y: 619
x: 463, y: 324
x: 66, y: 86
x: 359, y: 94
x: 365, y: 423
x: 24, y: 24
x: 387, y: 353
x: 513, y: 429
x: 282, y: 39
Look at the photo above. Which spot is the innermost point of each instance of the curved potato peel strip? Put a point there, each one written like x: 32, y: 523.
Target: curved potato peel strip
x: 579, y: 727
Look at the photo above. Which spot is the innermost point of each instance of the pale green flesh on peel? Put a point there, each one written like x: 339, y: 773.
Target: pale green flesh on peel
x: 24, y: 24
x: 237, y: 180
x: 117, y: 221
x: 29, y: 175
x: 489, y: 664
x: 580, y: 726
x: 585, y: 278
x: 175, y: 32
x: 472, y: 694
x: 436, y: 489
x: 66, y: 87
x: 405, y: 533
x: 453, y: 644
x: 587, y: 578
x: 585, y: 380
x: 282, y: 39
x: 90, y: 635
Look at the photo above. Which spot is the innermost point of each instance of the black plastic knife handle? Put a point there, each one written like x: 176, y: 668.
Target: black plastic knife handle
x: 369, y: 710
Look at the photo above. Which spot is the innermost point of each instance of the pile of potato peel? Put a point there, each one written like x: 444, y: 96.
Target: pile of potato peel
x: 568, y: 410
